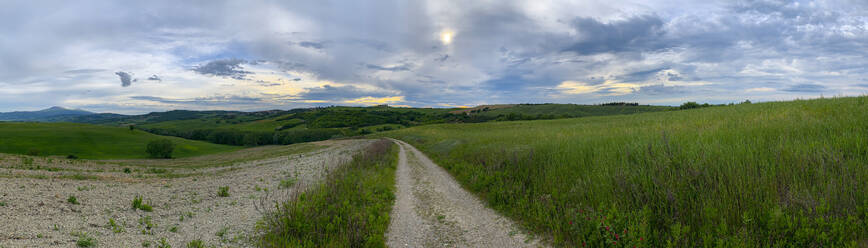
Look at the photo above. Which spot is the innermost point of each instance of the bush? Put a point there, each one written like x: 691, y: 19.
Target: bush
x: 71, y: 156
x: 161, y: 148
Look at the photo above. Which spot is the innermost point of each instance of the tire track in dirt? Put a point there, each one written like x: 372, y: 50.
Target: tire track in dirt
x: 432, y: 210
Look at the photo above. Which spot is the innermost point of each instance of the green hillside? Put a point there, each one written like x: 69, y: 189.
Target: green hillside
x: 779, y: 174
x: 90, y: 141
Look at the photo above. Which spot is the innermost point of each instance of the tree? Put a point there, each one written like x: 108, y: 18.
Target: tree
x: 689, y: 105
x: 161, y: 148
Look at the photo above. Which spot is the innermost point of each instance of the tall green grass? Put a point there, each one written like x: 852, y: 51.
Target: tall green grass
x: 350, y: 209
x: 779, y: 174
x: 91, y: 141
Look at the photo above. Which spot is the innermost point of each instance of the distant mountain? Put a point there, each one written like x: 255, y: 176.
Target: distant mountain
x: 45, y: 115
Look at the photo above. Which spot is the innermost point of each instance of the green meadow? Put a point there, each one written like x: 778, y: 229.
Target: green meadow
x: 777, y: 174
x: 91, y: 141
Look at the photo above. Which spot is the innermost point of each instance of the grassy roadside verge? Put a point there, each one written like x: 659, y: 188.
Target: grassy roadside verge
x: 781, y: 174
x: 350, y: 209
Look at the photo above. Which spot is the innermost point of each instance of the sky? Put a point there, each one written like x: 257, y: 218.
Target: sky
x: 135, y: 57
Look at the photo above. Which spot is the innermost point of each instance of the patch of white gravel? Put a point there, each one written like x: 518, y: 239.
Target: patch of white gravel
x: 35, y: 211
x: 432, y: 210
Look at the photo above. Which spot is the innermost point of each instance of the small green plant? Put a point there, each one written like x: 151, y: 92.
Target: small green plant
x: 163, y: 243
x: 161, y: 148
x: 72, y: 200
x: 127, y: 170
x: 84, y: 240
x: 137, y: 204
x: 147, y: 224
x: 196, y: 243
x: 114, y: 226
x: 146, y: 243
x: 223, y: 191
x: 222, y: 232
x: 2, y: 203
x: 71, y: 156
x: 286, y: 183
x: 174, y: 229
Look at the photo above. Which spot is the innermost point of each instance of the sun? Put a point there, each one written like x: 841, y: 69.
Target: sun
x: 446, y: 37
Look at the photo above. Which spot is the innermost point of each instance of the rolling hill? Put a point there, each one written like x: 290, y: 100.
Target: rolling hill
x: 49, y: 114
x: 91, y: 141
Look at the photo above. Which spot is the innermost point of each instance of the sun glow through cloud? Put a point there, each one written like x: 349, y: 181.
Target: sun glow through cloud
x: 446, y: 37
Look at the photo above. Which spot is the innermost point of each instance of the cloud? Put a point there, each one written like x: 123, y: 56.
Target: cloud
x: 224, y: 68
x: 402, y: 67
x: 806, y: 88
x: 310, y: 44
x: 638, y: 33
x: 154, y: 78
x: 376, y: 100
x: 126, y: 78
x: 341, y: 93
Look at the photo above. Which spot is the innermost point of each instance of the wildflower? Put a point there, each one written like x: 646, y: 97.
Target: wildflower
x: 640, y: 239
x: 607, y: 228
x: 616, y: 237
x: 614, y: 242
x: 571, y: 223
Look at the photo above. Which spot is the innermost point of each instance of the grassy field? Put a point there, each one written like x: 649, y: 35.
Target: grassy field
x: 350, y: 209
x: 91, y: 141
x: 571, y: 110
x: 779, y: 174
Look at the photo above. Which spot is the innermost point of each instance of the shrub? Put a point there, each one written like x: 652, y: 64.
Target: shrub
x: 161, y: 148
x: 223, y: 191
x: 127, y: 170
x: 71, y: 156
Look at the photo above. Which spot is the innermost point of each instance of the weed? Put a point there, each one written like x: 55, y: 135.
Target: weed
x: 223, y: 191
x: 114, y: 226
x: 2, y: 203
x: 222, y: 232
x: 163, y: 243
x: 146, y: 243
x: 174, y: 229
x: 196, y: 243
x: 137, y: 204
x: 84, y: 240
x: 72, y: 200
x: 286, y: 183
x: 127, y: 170
x: 145, y: 222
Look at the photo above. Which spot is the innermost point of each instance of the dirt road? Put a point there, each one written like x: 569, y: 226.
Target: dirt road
x: 432, y: 210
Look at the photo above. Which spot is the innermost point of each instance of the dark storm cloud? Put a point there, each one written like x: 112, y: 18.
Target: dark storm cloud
x: 639, y: 33
x: 224, y: 68
x: 126, y: 78
x: 806, y: 88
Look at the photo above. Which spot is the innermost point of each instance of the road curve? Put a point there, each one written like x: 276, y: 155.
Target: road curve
x: 432, y: 210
